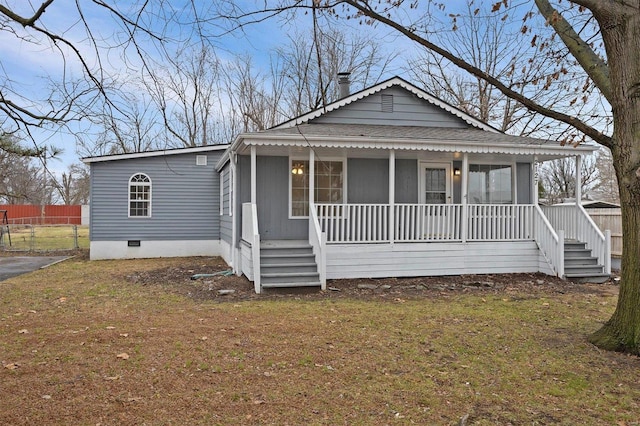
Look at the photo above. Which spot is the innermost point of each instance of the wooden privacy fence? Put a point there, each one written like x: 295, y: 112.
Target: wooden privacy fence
x: 609, y: 219
x: 27, y: 214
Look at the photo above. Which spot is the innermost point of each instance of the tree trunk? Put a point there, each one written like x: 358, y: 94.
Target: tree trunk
x: 621, y: 34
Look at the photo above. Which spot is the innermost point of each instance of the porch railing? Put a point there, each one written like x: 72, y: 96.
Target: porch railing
x: 318, y: 240
x: 371, y: 223
x: 505, y: 222
x: 251, y: 235
x: 578, y: 225
x: 550, y: 242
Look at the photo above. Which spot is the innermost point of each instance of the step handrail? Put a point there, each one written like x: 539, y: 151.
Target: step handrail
x: 318, y: 241
x: 551, y: 244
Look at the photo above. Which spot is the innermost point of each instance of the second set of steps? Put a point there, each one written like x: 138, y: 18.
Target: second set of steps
x: 580, y: 265
x: 288, y: 263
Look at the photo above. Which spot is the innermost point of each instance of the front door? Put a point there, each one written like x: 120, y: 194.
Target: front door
x: 435, y: 185
x: 435, y: 191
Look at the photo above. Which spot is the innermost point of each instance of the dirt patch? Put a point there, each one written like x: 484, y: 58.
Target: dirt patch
x: 225, y: 286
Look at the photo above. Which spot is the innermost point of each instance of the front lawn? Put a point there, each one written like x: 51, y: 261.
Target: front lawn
x: 90, y: 343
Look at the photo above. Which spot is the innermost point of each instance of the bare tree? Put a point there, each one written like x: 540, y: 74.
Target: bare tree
x: 74, y: 185
x: 599, y: 46
x: 606, y: 188
x: 559, y: 178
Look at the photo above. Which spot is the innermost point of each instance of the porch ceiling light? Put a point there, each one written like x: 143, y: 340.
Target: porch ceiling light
x: 456, y: 172
x: 297, y: 169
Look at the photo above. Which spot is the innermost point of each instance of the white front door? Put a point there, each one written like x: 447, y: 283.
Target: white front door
x: 435, y: 183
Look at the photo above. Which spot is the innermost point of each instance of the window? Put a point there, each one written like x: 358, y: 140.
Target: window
x: 140, y: 196
x: 490, y: 184
x: 328, y: 184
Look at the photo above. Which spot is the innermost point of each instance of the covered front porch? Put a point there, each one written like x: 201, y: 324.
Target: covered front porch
x: 439, y: 233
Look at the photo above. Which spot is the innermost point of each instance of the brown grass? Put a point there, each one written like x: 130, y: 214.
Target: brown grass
x: 500, y: 359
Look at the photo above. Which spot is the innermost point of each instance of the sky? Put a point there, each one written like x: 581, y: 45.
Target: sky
x: 25, y: 66
x: 28, y: 64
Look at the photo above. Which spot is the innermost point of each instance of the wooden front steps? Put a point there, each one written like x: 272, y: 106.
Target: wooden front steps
x: 288, y: 263
x: 580, y: 265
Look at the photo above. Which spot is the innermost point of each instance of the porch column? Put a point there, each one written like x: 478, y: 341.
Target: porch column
x: 578, y: 189
x: 534, y: 181
x: 392, y: 195
x: 312, y: 177
x: 464, y: 196
x: 578, y: 194
x: 254, y: 168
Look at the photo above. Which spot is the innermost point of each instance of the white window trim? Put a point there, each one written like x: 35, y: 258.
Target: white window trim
x: 129, y: 196
x: 221, y: 207
x: 514, y: 172
x: 293, y: 160
x: 230, y: 191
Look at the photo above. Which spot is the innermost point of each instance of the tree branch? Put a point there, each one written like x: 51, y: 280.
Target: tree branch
x: 594, y: 65
x: 364, y: 8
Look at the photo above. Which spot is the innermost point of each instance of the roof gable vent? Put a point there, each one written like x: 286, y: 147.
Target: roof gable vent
x: 201, y: 160
x: 387, y: 103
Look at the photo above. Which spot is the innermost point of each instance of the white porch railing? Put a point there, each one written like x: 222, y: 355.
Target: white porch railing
x: 551, y: 244
x: 318, y: 241
x: 251, y: 235
x: 499, y: 222
x: 578, y: 225
x: 354, y: 223
x: 427, y: 222
x: 370, y: 223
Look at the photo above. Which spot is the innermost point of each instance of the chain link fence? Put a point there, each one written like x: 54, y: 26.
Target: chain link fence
x: 43, y: 237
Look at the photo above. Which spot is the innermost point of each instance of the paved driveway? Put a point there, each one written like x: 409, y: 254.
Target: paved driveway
x: 12, y: 266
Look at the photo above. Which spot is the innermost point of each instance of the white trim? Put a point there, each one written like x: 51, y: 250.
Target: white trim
x: 221, y: 207
x: 447, y: 166
x: 294, y: 159
x: 100, y: 250
x: 149, y: 201
x: 231, y: 191
x: 394, y: 81
x: 439, y: 145
x: 173, y: 151
x: 511, y: 164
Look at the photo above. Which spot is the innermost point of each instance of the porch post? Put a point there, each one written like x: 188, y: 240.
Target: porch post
x: 578, y: 195
x: 464, y: 196
x: 312, y: 179
x: 392, y: 195
x: 534, y: 181
x: 578, y: 189
x: 253, y: 175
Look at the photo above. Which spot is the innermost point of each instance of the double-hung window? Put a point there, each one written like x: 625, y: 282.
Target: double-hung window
x: 328, y: 185
x: 140, y: 195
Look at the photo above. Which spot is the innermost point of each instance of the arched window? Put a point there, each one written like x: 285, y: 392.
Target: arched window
x: 139, y: 195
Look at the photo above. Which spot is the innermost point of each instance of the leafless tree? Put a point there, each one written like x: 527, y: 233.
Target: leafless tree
x: 597, y: 43
x: 559, y: 178
x: 74, y: 185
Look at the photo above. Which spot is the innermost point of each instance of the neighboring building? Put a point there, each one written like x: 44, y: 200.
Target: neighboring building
x: 403, y: 185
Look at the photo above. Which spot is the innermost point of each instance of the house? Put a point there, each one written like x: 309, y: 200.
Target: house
x: 403, y: 185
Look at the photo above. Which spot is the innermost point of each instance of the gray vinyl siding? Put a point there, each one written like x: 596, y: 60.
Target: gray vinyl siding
x: 184, y: 199
x: 273, y: 198
x: 457, y: 183
x: 368, y: 181
x: 523, y: 183
x: 226, y: 220
x: 406, y: 181
x: 408, y: 110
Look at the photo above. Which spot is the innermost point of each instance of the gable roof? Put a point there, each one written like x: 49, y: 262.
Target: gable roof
x: 156, y: 153
x: 394, y: 81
